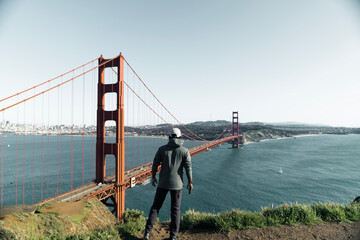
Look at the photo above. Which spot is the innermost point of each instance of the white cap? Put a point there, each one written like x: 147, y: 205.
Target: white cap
x: 176, y: 132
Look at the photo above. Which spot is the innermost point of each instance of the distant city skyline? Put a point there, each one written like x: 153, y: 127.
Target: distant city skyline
x: 273, y: 61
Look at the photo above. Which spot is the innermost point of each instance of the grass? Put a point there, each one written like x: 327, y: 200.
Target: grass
x: 39, y: 208
x: 292, y: 214
x: 286, y: 214
x: 133, y: 224
x: 4, y: 234
x: 110, y: 233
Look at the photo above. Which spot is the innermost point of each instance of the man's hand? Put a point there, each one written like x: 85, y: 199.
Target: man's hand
x: 154, y: 181
x: 190, y: 186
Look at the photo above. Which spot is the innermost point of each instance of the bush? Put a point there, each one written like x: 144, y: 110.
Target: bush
x: 226, y: 221
x: 133, y: 224
x: 192, y: 219
x: 292, y: 214
x: 286, y: 214
x: 352, y: 211
x: 6, y: 235
x: 330, y: 212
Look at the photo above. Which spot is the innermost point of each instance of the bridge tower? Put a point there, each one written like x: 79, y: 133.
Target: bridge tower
x: 118, y: 148
x: 235, y: 129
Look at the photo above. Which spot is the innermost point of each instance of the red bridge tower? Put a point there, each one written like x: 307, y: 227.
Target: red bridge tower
x: 118, y: 148
x: 235, y: 129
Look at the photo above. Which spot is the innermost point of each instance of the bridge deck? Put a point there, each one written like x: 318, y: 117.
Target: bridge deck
x: 134, y: 176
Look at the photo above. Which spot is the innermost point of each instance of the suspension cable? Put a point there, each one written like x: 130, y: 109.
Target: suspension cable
x: 163, y: 104
x: 169, y: 124
x: 58, y: 85
x: 201, y: 139
x: 47, y: 81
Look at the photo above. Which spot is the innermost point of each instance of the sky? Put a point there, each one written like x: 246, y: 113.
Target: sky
x: 270, y: 60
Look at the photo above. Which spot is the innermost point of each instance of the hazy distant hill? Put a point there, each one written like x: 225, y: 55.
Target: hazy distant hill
x: 296, y: 124
x: 253, y: 131
x: 277, y: 124
x: 210, y: 123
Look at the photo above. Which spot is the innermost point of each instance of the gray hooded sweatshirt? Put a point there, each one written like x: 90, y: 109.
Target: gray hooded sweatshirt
x: 173, y: 158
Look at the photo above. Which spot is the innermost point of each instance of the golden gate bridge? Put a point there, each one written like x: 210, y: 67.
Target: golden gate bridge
x: 55, y: 147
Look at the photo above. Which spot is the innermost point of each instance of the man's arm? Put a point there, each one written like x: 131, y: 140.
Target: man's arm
x: 188, y: 168
x: 156, y: 163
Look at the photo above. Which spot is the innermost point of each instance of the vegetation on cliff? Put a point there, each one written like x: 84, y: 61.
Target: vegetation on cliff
x: 286, y: 214
x: 133, y: 223
x: 54, y: 221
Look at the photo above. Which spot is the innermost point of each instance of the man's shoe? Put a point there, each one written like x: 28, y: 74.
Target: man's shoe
x: 147, y: 236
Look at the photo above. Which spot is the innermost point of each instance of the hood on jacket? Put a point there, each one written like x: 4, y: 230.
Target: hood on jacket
x: 175, y: 142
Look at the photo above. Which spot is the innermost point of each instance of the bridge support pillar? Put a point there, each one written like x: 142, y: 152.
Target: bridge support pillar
x: 117, y: 149
x: 235, y: 129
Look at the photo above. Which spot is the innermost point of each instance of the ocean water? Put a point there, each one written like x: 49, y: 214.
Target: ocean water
x: 323, y: 168
x: 36, y: 167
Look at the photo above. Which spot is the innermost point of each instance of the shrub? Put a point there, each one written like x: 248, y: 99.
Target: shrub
x: 192, y: 219
x: 292, y: 214
x: 236, y: 219
x: 330, y: 212
x: 352, y: 211
x: 133, y: 224
x: 6, y: 235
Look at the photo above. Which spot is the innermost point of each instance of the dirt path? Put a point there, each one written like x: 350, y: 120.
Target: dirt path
x: 67, y: 208
x: 324, y: 231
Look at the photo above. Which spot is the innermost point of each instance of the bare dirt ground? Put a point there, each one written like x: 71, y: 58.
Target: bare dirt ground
x: 67, y: 208
x: 324, y: 231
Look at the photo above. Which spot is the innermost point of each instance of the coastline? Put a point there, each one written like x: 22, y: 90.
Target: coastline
x: 78, y: 135
x: 279, y: 138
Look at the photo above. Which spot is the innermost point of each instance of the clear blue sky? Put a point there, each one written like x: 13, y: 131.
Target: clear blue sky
x: 271, y: 60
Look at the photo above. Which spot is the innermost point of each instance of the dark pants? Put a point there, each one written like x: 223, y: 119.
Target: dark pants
x: 175, y: 210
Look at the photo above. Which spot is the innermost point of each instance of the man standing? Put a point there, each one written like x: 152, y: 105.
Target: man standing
x: 173, y: 158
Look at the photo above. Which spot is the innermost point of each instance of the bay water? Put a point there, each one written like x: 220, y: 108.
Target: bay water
x: 321, y: 168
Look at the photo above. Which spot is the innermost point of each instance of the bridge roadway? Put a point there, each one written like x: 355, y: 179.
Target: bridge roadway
x: 134, y: 176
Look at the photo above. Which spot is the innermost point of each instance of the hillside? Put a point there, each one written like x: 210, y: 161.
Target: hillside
x: 253, y: 131
x: 54, y: 220
x: 89, y: 219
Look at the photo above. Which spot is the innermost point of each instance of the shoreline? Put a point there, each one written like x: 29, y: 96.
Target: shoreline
x: 279, y: 138
x: 79, y: 135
